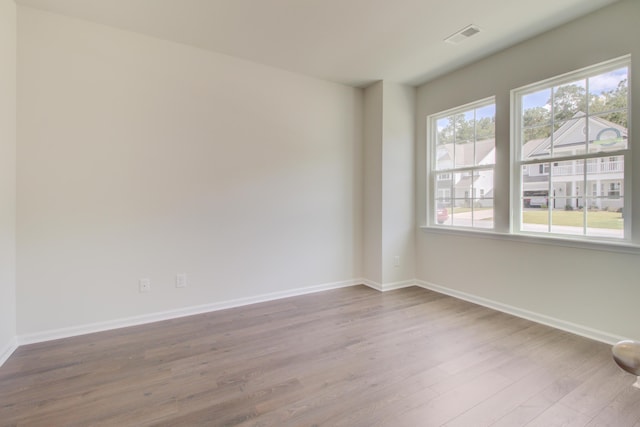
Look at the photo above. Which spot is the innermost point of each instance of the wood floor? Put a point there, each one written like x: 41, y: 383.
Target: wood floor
x: 348, y: 357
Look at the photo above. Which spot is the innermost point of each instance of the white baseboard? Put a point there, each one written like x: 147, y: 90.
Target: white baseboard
x: 173, y: 314
x: 370, y: 283
x: 384, y: 287
x: 206, y: 308
x: 8, y: 350
x: 563, y: 325
x: 398, y: 285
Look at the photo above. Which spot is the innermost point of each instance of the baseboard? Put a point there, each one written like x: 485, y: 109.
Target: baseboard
x: 370, y: 283
x: 173, y: 314
x: 398, y: 285
x: 8, y: 350
x: 207, y: 308
x: 563, y: 325
x: 384, y: 287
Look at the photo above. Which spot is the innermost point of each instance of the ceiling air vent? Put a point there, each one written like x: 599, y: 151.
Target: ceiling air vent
x: 463, y: 34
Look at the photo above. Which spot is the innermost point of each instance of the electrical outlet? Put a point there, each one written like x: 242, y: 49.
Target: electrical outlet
x: 144, y: 285
x: 181, y: 280
x: 396, y: 261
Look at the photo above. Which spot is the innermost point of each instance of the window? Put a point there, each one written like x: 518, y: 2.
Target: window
x: 614, y: 190
x: 573, y: 131
x: 462, y: 148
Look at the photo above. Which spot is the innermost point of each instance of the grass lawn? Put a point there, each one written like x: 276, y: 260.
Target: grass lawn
x: 595, y: 219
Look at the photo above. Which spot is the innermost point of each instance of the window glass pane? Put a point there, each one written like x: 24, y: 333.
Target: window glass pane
x: 568, y: 220
x: 536, y: 109
x: 485, y: 135
x: 465, y: 123
x: 535, y: 197
x: 483, y: 213
x: 604, y: 217
x: 443, y: 186
x: 464, y: 139
x: 608, y: 132
x: 605, y: 178
x: 535, y: 185
x: 615, y: 190
x: 567, y: 178
x: 461, y: 213
x: 570, y: 100
x: 536, y: 143
x: 482, y: 184
x: 535, y: 219
x: 442, y: 214
x: 609, y: 91
x: 461, y: 204
x: 445, y: 131
x: 445, y: 137
x: 444, y: 159
x: 464, y: 153
x: 569, y: 138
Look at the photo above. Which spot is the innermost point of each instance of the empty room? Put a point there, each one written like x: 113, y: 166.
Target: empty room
x: 319, y: 213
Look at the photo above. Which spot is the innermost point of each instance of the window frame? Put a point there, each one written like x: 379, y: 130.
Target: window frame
x: 432, y: 172
x: 517, y: 163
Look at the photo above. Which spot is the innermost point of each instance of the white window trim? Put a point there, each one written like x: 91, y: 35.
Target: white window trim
x: 516, y: 162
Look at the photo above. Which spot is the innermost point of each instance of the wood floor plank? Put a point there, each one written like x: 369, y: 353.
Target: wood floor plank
x: 622, y: 411
x: 350, y: 357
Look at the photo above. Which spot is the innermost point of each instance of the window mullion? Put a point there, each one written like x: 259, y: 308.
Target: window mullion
x: 549, y: 190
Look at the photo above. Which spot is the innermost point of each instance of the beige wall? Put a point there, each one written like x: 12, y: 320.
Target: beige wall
x: 372, y: 220
x: 595, y: 289
x: 398, y: 184
x: 141, y: 158
x: 389, y: 178
x: 7, y: 176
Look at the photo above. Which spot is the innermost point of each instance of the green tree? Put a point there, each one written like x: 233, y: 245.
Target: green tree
x: 568, y: 100
x: 612, y: 100
x: 485, y: 128
x: 465, y: 130
x: 534, y: 121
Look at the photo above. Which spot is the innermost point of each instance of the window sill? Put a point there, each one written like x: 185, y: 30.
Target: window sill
x: 553, y: 240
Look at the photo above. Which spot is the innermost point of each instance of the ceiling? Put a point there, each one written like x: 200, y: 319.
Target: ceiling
x: 354, y: 42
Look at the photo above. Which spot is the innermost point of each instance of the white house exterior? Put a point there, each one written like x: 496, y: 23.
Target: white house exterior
x: 561, y: 183
x: 468, y: 187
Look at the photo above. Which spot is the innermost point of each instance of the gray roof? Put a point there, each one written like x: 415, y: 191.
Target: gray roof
x: 466, y: 151
x: 571, y: 136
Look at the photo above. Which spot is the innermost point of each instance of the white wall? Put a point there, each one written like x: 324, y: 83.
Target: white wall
x: 591, y: 288
x: 372, y: 220
x: 7, y: 176
x: 398, y: 184
x: 389, y: 177
x: 144, y: 158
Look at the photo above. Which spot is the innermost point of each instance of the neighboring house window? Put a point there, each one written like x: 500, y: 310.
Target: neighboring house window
x: 614, y: 190
x: 462, y: 148
x: 574, y: 128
